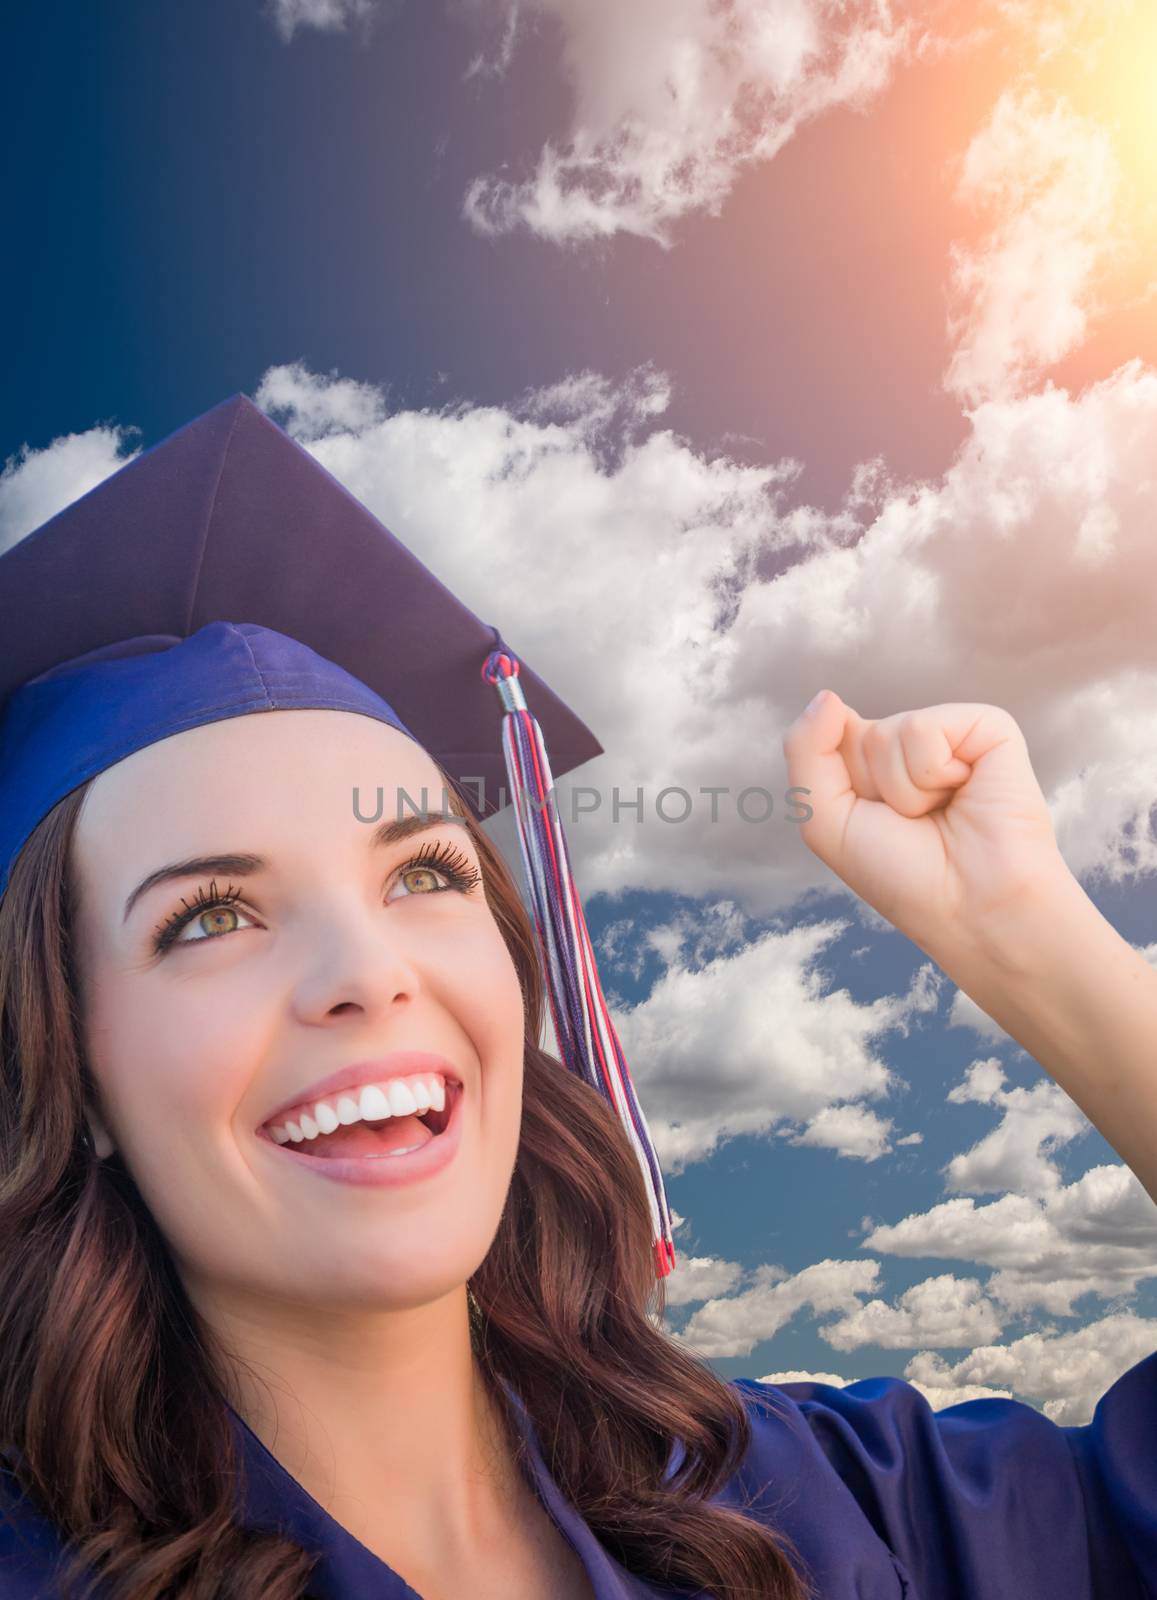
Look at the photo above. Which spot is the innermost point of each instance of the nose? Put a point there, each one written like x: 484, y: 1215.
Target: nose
x: 353, y: 957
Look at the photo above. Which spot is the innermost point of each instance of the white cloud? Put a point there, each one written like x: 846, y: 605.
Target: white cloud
x: 1021, y: 299
x: 1056, y: 25
x: 1017, y: 1153
x: 831, y: 1378
x: 849, y: 1130
x: 1097, y: 1235
x: 940, y: 1311
x: 1048, y: 1243
x: 938, y: 1395
x: 941, y: 1395
x: 36, y: 484
x: 327, y: 16
x: 1064, y: 1373
x: 717, y: 928
x: 312, y: 406
x: 735, y: 1325
x: 674, y: 98
x: 700, y: 1278
x: 745, y: 1042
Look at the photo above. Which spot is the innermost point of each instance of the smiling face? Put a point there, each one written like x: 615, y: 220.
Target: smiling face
x: 336, y: 951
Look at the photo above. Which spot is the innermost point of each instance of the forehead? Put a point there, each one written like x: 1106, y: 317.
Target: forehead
x: 243, y: 782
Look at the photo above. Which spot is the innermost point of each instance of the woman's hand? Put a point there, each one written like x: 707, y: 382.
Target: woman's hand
x: 934, y: 817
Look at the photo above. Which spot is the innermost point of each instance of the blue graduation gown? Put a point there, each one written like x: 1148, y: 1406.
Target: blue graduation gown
x: 884, y: 1498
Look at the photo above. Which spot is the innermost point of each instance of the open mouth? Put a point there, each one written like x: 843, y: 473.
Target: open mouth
x: 393, y: 1136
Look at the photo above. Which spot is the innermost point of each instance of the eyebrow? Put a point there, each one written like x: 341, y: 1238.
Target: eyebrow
x: 242, y: 864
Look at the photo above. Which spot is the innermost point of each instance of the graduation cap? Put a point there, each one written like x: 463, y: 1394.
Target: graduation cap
x: 225, y: 572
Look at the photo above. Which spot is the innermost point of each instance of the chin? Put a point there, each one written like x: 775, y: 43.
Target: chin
x: 390, y: 1279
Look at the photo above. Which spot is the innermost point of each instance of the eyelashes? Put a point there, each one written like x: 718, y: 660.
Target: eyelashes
x: 202, y: 901
x: 446, y: 860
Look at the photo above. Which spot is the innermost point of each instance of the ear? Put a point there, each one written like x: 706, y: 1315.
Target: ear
x: 101, y: 1138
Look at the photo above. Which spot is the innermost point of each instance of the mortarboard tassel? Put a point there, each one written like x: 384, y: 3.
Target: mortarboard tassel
x: 586, y: 1035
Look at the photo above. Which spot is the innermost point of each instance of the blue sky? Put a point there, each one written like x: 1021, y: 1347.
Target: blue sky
x: 827, y: 361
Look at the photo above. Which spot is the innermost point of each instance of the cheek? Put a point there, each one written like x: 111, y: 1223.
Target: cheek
x: 163, y: 1064
x: 494, y: 1015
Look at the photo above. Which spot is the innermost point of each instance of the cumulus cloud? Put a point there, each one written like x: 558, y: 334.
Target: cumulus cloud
x: 750, y: 1040
x: 717, y: 928
x: 1021, y: 298
x: 1048, y: 1243
x: 1064, y: 1373
x: 313, y: 406
x: 1017, y: 1153
x: 943, y: 1312
x: 674, y: 98
x: 733, y: 1326
x: 1097, y: 1235
x: 831, y: 1378
x: 327, y: 16
x: 701, y: 1278
x: 939, y: 1312
x: 849, y: 1130
x: 938, y: 1395
x: 36, y: 484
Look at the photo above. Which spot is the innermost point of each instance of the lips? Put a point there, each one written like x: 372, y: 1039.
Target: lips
x: 382, y: 1170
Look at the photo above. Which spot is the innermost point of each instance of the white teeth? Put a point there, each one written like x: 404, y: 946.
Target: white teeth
x: 347, y: 1110
x: 327, y: 1118
x: 373, y: 1104
x: 402, y: 1102
x: 397, y: 1097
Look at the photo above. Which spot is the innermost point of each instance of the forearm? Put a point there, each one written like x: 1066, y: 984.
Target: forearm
x: 1064, y: 984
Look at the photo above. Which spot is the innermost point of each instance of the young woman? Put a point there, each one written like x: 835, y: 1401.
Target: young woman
x: 318, y: 1276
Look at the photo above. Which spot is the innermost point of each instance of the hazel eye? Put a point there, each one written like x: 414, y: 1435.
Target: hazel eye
x: 440, y: 868
x: 205, y: 905
x: 432, y: 878
x: 213, y: 923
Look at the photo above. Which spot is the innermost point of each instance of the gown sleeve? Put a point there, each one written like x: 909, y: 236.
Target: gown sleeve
x: 32, y: 1553
x: 985, y: 1500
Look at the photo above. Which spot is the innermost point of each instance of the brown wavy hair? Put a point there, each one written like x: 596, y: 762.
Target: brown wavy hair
x: 111, y: 1401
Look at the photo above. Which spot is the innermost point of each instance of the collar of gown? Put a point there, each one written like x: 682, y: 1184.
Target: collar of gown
x: 275, y: 1500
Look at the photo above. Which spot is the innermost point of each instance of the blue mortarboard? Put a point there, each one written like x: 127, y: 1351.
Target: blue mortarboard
x: 224, y: 572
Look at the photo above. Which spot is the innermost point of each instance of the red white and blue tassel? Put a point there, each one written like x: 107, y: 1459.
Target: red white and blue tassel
x: 587, y: 1041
